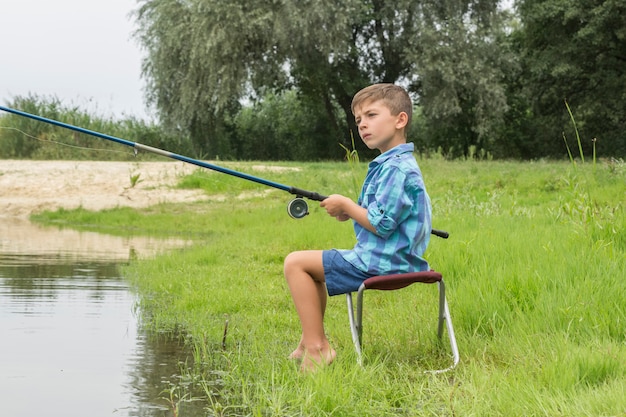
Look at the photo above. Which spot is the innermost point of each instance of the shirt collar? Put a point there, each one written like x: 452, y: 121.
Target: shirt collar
x: 396, y: 150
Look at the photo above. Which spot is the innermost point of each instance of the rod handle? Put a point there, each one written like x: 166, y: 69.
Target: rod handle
x: 308, y: 194
x: 440, y: 233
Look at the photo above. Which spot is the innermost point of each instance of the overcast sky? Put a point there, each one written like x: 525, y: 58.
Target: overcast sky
x: 80, y: 51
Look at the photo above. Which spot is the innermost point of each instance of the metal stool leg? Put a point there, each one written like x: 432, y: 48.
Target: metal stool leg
x: 353, y: 326
x: 356, y: 323
x: 444, y: 315
x: 356, y: 319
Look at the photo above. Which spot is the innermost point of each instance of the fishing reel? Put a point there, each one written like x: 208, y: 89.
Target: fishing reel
x: 297, y: 208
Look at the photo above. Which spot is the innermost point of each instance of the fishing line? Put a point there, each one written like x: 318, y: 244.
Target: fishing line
x: 64, y: 144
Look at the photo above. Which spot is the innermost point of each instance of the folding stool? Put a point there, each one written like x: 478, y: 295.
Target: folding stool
x: 395, y: 282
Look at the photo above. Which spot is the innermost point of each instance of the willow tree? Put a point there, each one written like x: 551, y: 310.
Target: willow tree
x: 205, y: 56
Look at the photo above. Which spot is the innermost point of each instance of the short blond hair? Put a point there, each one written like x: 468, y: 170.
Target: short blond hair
x: 393, y: 96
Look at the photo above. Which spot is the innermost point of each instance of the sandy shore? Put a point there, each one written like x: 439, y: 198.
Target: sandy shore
x: 28, y: 187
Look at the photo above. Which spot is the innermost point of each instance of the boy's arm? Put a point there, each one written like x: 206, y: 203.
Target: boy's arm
x: 344, y: 208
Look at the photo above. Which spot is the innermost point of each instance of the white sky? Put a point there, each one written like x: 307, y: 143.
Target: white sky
x: 80, y: 51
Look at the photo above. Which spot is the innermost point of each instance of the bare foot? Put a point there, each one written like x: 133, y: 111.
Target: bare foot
x: 297, y: 354
x: 314, y: 360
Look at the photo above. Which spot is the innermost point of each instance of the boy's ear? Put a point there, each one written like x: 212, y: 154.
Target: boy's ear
x: 401, y: 120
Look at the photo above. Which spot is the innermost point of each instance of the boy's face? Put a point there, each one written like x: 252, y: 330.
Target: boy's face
x: 378, y: 128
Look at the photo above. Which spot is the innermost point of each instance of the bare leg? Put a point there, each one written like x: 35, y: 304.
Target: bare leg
x: 304, y: 273
x: 299, y: 351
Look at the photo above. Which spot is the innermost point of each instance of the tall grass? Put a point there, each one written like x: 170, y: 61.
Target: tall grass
x: 578, y: 140
x: 534, y: 267
x: 22, y: 137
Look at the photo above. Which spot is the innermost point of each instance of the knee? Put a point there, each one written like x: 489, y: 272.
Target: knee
x: 307, y: 262
x: 291, y: 263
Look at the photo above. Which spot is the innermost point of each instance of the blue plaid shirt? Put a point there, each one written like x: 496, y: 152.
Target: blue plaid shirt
x: 399, y: 208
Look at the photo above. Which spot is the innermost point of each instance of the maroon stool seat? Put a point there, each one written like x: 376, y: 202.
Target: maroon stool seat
x: 396, y: 282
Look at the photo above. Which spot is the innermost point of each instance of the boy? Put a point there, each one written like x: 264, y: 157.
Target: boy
x: 392, y: 222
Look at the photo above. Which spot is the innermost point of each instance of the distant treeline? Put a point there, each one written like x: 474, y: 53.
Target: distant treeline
x: 276, y: 129
x: 274, y: 80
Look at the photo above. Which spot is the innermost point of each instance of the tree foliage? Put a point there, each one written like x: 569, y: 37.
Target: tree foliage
x: 205, y: 56
x: 574, y: 51
x: 461, y: 68
x: 481, y: 77
x: 278, y: 128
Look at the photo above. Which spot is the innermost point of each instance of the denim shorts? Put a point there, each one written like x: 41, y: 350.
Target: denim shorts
x: 341, y: 276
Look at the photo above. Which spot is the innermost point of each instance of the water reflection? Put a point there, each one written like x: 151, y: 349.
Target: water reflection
x: 70, y: 343
x: 22, y: 237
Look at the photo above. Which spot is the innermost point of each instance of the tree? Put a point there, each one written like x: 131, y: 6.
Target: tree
x: 290, y: 124
x: 575, y: 51
x: 204, y: 56
x: 460, y: 72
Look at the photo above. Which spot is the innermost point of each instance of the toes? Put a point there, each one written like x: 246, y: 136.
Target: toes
x: 312, y: 363
x: 296, y: 354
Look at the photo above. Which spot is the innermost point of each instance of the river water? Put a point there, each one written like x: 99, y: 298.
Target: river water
x: 70, y: 339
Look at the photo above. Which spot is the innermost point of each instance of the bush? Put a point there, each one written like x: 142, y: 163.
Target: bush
x: 23, y: 137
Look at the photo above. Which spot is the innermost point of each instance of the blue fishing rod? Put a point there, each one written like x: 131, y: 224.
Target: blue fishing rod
x: 297, y: 208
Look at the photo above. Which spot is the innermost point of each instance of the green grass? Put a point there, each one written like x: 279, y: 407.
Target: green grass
x: 534, y: 267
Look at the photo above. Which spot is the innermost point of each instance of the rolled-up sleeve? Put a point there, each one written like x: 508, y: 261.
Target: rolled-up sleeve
x: 390, y: 205
x: 378, y: 217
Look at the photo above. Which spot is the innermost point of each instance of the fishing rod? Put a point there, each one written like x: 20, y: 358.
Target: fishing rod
x: 297, y: 208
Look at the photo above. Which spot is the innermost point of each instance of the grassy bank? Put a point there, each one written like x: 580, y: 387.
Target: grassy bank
x: 535, y: 269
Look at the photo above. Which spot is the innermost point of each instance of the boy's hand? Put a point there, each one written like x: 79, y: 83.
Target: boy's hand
x: 343, y: 218
x: 342, y: 208
x: 335, y: 205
